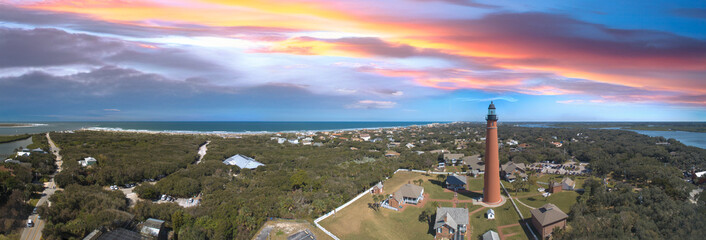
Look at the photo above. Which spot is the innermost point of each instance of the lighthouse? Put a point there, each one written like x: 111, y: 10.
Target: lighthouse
x: 491, y: 184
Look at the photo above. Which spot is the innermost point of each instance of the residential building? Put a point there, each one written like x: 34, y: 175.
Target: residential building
x: 450, y: 223
x: 455, y: 182
x: 509, y: 169
x: 243, y: 162
x: 407, y: 194
x: 567, y: 184
x: 377, y: 189
x: 491, y: 235
x: 546, y: 218
x: 154, y: 229
x: 409, y: 145
x: 391, y: 153
x: 453, y: 158
x: 87, y: 161
x: 365, y: 137
x: 24, y: 153
x: 555, y: 187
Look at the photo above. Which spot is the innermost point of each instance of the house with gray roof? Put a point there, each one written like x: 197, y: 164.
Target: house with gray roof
x: 546, y: 218
x: 153, y: 229
x: 450, y: 223
x: 408, y: 193
x: 509, y: 169
x: 491, y: 235
x: 243, y: 162
x: 456, y: 182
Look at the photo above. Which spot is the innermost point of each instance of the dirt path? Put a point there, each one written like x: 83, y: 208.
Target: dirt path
x: 202, y: 151
x: 518, y: 200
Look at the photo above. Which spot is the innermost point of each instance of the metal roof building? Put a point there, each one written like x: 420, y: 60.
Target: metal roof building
x: 244, y: 162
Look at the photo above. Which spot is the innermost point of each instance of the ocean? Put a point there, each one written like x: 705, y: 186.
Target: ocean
x: 202, y: 127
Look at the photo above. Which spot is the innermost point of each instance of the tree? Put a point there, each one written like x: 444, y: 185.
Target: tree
x: 299, y: 179
x: 441, y: 178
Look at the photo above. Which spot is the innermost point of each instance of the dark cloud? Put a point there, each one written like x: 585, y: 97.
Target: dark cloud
x: 81, y: 22
x: 378, y: 47
x: 566, y: 38
x: 467, y: 3
x: 90, y: 95
x: 164, y: 57
x: 698, y: 13
x: 46, y: 47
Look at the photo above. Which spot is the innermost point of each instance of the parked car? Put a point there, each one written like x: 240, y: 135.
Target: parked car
x: 34, y: 211
x: 30, y: 223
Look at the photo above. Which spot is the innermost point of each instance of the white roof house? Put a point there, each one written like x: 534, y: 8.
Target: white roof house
x: 87, y: 161
x: 243, y: 162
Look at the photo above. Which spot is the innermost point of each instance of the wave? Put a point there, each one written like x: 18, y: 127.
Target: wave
x: 246, y: 132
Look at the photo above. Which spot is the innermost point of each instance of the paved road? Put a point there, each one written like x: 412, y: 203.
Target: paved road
x: 35, y: 233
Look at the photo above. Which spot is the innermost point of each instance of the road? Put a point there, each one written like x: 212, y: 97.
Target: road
x: 35, y: 233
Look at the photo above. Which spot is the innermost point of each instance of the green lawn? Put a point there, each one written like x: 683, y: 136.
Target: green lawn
x: 435, y: 189
x: 475, y: 184
x: 357, y: 221
x: 504, y: 215
x: 564, y: 200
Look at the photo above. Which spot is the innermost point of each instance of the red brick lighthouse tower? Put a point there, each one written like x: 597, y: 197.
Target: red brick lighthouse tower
x: 491, y: 185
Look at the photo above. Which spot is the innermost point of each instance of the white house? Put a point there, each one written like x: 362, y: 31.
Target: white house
x: 490, y: 214
x: 87, y: 161
x: 281, y: 140
x: 23, y: 153
x: 293, y: 141
x: 365, y: 136
x: 409, y: 145
x: 243, y: 162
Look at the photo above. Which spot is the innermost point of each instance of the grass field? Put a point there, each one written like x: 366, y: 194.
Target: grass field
x: 564, y: 200
x: 360, y: 222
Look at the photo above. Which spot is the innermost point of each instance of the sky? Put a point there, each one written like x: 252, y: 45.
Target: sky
x: 357, y: 60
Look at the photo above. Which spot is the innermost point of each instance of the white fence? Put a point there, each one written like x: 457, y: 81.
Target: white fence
x: 316, y: 222
x: 518, y: 211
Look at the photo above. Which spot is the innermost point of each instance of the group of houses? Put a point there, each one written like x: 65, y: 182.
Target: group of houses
x: 452, y: 223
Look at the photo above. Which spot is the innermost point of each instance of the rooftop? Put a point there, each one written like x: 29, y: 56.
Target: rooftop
x: 548, y: 214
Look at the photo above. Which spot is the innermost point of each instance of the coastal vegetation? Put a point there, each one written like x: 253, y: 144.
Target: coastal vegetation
x: 123, y: 157
x: 303, y: 182
x: 12, y: 138
x: 19, y: 184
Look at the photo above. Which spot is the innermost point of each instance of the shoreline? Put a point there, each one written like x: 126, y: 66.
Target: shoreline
x: 21, y: 125
x: 245, y: 133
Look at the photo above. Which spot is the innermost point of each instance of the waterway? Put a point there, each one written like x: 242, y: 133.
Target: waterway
x: 694, y: 139
x: 8, y: 149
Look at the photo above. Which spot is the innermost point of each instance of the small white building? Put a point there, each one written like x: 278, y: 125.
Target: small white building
x: 409, y: 145
x: 490, y: 214
x: 293, y: 141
